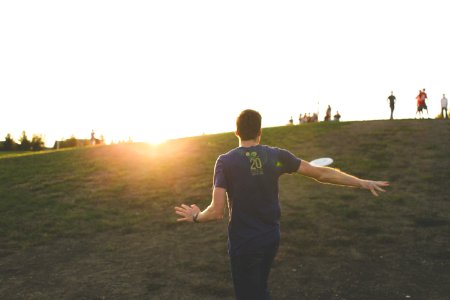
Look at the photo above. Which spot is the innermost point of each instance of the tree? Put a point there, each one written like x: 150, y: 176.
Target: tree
x: 37, y: 143
x: 25, y: 144
x: 9, y: 143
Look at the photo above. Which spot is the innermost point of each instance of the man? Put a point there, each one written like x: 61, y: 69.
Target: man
x: 421, y: 103
x: 444, y: 104
x: 248, y: 175
x: 328, y: 114
x: 391, y: 99
x: 423, y: 98
x: 337, y: 116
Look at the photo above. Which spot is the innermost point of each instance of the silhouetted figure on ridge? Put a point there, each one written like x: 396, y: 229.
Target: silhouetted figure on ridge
x: 337, y: 116
x: 421, y: 104
x: 328, y: 114
x: 92, y: 137
x: 391, y: 99
x: 444, y: 103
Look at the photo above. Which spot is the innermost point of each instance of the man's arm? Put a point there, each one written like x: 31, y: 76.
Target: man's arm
x: 334, y: 176
x: 214, y: 211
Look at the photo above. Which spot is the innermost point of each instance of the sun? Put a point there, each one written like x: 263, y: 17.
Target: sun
x: 156, y: 140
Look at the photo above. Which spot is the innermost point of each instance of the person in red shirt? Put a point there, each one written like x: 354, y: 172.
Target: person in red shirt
x: 421, y: 104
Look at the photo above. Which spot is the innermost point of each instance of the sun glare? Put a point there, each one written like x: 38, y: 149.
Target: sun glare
x: 156, y: 141
x: 152, y: 137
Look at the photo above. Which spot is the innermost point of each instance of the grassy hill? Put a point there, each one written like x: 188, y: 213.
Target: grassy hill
x: 98, y: 223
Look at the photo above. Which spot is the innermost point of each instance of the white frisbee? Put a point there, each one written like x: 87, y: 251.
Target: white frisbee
x: 321, y: 162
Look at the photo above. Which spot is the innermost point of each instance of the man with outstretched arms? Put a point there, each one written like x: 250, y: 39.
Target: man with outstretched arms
x: 247, y: 177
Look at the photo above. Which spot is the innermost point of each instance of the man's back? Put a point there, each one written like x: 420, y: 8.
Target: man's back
x: 250, y: 176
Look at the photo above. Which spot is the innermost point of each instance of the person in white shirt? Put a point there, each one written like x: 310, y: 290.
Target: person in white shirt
x: 444, y: 103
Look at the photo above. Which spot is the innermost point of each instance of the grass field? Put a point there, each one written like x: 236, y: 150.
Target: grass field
x: 98, y: 222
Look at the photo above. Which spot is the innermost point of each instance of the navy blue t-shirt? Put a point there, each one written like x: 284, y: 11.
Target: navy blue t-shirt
x: 250, y: 176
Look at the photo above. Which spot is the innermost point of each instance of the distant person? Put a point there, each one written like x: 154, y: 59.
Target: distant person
x: 291, y: 121
x: 246, y: 178
x: 391, y: 99
x: 304, y: 118
x: 444, y: 103
x: 337, y: 116
x: 92, y: 137
x: 421, y: 104
x: 328, y: 114
x: 424, y: 98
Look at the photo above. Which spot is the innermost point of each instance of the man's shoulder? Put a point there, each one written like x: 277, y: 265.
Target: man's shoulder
x: 274, y: 149
x: 228, y: 154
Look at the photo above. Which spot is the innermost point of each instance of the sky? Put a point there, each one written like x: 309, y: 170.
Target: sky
x: 155, y: 70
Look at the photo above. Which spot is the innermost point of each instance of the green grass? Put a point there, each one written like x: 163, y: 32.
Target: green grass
x: 98, y: 221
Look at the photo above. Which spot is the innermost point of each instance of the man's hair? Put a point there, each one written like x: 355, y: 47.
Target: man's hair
x: 248, y: 124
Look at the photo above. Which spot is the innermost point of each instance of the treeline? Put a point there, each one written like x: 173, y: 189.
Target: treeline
x: 74, y: 142
x: 24, y: 144
x: 37, y: 143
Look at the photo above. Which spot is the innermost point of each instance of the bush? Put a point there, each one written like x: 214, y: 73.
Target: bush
x: 9, y: 144
x: 37, y: 143
x: 25, y: 144
x: 68, y: 143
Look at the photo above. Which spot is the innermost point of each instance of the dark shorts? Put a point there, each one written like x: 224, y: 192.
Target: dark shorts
x: 250, y: 272
x: 421, y: 107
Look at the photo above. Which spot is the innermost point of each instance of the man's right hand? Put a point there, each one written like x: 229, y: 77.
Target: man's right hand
x: 187, y: 212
